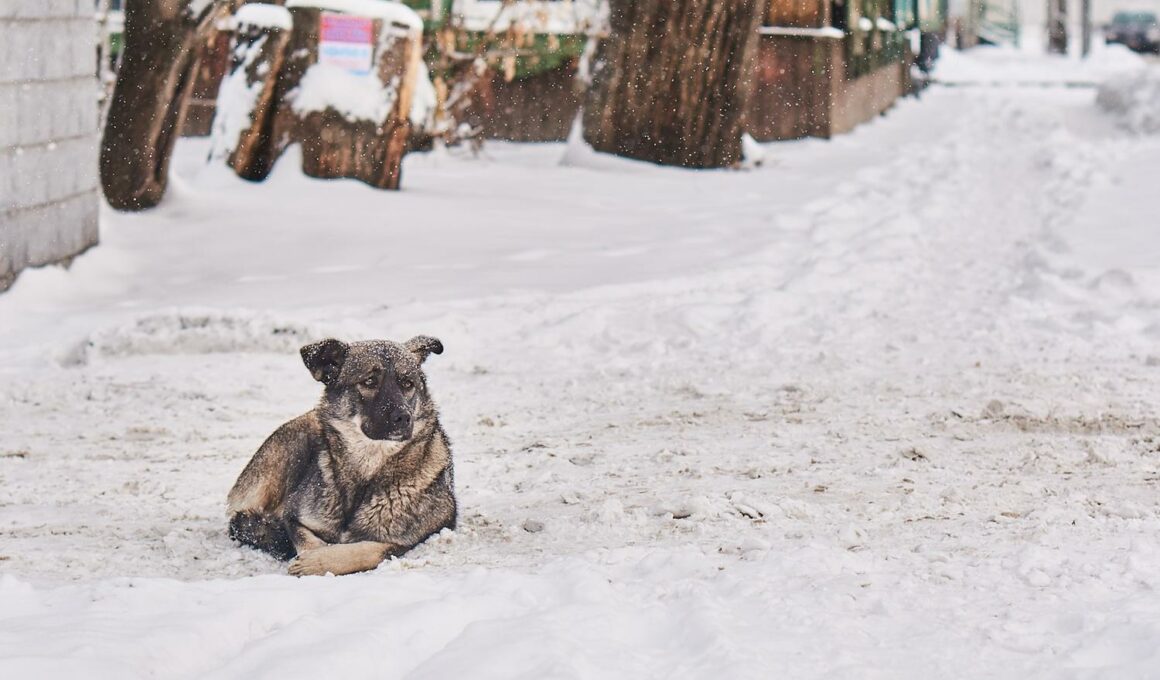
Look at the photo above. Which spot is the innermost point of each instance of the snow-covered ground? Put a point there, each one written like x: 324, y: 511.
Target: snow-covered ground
x: 1134, y: 98
x: 883, y: 408
x: 1001, y: 65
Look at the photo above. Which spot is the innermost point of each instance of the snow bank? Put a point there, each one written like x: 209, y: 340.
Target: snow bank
x: 192, y: 332
x: 578, y: 153
x: 994, y: 65
x: 269, y: 16
x: 387, y: 10
x: 641, y: 614
x: 753, y: 153
x: 1134, y: 100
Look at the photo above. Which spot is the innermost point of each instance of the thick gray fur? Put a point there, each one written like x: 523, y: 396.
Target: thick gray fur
x: 364, y: 476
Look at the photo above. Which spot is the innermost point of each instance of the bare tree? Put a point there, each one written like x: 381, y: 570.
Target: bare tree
x: 1057, y: 26
x: 669, y: 84
x: 153, y: 84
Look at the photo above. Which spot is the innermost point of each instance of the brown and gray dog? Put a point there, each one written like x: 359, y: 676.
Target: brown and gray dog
x: 363, y: 477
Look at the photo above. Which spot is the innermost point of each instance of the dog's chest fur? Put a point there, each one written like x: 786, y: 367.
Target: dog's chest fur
x: 364, y: 458
x: 388, y: 490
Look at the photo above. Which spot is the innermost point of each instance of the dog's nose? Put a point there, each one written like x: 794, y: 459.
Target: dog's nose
x: 400, y: 419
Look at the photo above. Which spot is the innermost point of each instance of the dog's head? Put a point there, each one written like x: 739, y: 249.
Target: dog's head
x: 377, y: 385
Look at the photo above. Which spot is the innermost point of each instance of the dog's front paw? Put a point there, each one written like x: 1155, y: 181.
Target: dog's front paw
x: 309, y: 563
x: 346, y: 558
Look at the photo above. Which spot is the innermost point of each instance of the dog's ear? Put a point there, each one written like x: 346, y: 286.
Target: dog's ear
x: 324, y: 359
x: 424, y: 346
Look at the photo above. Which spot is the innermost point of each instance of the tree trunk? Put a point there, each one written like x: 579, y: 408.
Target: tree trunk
x: 148, y: 100
x: 337, y: 144
x: 671, y: 81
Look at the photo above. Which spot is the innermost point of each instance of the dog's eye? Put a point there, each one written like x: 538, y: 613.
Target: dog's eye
x: 406, y: 384
x: 371, y: 381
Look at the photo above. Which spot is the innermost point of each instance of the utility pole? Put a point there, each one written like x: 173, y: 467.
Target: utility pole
x: 104, y: 72
x: 1057, y: 26
x: 1086, y: 17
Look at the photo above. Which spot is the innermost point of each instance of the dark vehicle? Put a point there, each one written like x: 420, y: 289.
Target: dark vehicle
x: 1139, y: 31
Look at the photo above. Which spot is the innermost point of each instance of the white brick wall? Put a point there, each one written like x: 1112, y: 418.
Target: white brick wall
x: 36, y: 112
x: 48, y: 132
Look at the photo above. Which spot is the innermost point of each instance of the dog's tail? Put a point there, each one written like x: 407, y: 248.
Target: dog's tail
x: 262, y: 533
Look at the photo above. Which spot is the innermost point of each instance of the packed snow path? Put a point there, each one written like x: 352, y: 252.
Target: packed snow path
x: 883, y: 408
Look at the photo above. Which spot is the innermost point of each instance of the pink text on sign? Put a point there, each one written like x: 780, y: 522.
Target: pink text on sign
x: 346, y: 29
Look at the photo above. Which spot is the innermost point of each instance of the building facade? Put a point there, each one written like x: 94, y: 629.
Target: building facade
x: 48, y: 133
x: 825, y: 66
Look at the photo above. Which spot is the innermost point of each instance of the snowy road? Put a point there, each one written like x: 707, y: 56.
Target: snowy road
x: 883, y: 408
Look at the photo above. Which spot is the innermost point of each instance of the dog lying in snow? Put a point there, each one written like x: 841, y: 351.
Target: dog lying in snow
x: 364, y: 476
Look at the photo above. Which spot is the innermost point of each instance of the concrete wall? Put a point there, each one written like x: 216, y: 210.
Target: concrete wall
x: 861, y: 99
x: 48, y: 132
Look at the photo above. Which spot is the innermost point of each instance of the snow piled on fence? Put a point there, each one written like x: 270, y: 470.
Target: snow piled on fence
x: 885, y: 408
x: 1134, y: 100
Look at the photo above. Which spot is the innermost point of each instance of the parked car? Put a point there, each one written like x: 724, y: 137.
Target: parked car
x: 1139, y: 31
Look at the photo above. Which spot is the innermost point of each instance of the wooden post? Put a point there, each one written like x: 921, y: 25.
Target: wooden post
x: 289, y: 86
x: 244, y: 115
x: 213, y: 65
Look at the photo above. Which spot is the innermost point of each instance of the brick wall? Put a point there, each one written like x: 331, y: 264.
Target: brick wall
x: 48, y: 132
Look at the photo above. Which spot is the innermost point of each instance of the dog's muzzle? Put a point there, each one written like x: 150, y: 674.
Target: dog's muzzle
x: 397, y: 427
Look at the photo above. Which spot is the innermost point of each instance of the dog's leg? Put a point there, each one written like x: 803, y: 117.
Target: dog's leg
x: 306, y: 540
x: 263, y: 533
x: 342, y: 558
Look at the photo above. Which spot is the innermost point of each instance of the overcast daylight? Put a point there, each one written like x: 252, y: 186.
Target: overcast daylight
x: 580, y: 339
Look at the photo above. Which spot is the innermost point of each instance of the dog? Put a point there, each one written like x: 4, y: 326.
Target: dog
x: 363, y: 477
